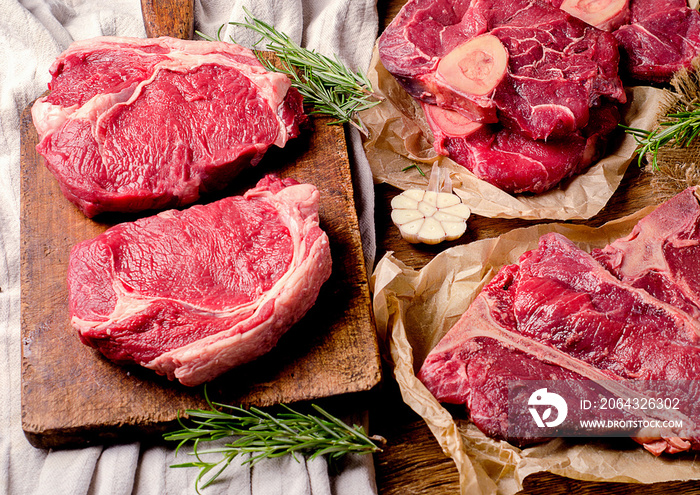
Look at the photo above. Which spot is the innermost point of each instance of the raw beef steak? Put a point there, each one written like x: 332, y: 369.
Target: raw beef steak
x: 136, y: 124
x: 513, y: 162
x: 662, y: 37
x: 194, y: 293
x: 560, y: 314
x: 526, y: 64
x: 661, y: 253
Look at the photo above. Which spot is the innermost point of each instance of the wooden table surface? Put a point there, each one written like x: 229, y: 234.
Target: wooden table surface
x: 412, y: 461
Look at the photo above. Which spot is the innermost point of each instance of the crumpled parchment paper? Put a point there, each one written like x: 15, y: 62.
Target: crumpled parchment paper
x: 415, y: 308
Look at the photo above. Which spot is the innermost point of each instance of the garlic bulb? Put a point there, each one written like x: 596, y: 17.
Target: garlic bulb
x: 430, y: 216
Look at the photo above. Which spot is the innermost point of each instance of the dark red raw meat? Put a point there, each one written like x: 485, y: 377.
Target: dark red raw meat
x: 661, y: 253
x: 558, y: 66
x: 513, y: 162
x: 560, y: 314
x: 663, y: 36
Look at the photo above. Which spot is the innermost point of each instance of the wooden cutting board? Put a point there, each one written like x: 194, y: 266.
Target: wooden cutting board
x: 72, y: 396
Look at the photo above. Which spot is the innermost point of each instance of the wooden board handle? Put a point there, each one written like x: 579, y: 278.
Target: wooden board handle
x: 168, y: 18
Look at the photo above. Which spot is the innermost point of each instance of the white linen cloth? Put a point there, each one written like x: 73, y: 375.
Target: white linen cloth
x: 32, y: 34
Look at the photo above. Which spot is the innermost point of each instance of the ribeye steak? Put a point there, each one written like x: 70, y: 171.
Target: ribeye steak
x: 532, y: 67
x: 560, y: 314
x: 136, y: 124
x: 194, y: 293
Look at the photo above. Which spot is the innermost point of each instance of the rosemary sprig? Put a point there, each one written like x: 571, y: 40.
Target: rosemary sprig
x: 679, y: 130
x: 263, y: 435
x: 328, y: 86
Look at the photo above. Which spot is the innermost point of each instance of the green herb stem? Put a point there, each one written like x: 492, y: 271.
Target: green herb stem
x: 420, y: 170
x: 680, y: 130
x: 328, y: 86
x: 262, y: 435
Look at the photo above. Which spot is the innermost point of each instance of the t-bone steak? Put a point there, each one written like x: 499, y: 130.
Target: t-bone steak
x: 626, y: 312
x: 661, y: 254
x: 513, y: 162
x: 528, y: 65
x: 136, y: 124
x: 191, y: 294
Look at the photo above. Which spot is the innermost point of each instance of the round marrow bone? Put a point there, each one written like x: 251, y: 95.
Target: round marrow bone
x: 607, y: 15
x: 451, y: 123
x: 430, y: 216
x: 475, y: 67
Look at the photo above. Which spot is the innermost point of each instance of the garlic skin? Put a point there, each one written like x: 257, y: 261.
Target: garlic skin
x: 429, y: 216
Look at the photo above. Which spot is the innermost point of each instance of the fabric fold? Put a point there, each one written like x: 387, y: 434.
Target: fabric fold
x: 32, y: 34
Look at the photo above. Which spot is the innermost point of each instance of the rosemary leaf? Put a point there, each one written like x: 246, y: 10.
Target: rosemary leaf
x: 679, y: 129
x: 263, y: 435
x: 326, y: 84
